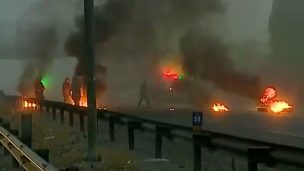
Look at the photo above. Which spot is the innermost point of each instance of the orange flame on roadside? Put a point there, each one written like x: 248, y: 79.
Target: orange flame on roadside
x: 279, y: 106
x: 218, y: 107
x: 276, y: 106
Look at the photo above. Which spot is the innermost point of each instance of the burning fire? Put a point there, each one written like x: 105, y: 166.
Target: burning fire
x: 27, y: 104
x: 218, y: 107
x: 268, y: 95
x: 279, y: 106
x: 268, y: 99
x: 83, y: 102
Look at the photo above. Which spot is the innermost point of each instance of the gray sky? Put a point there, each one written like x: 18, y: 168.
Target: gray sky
x: 246, y: 20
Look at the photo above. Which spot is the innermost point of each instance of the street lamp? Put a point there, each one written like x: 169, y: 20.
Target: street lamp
x: 91, y: 96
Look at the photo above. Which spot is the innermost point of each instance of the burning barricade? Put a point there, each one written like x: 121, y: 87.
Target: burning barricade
x: 270, y: 104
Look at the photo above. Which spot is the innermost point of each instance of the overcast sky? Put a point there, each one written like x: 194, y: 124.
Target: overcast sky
x: 246, y: 20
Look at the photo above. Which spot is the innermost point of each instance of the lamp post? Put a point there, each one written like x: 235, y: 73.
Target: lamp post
x: 91, y: 96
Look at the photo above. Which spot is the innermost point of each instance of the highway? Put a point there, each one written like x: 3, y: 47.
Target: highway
x: 285, y: 128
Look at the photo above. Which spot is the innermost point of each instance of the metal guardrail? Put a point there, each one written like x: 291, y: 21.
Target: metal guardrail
x: 26, y: 158
x: 255, y: 151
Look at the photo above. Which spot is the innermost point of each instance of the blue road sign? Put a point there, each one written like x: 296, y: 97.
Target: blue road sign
x: 197, y: 120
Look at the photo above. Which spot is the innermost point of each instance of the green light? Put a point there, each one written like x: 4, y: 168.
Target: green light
x: 180, y: 77
x: 45, y: 81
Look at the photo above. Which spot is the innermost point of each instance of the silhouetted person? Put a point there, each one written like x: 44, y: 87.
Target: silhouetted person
x: 76, y: 90
x: 67, y: 90
x: 143, y: 94
x: 39, y: 91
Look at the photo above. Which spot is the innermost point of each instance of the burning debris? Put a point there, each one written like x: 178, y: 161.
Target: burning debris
x: 270, y: 104
x: 219, y: 107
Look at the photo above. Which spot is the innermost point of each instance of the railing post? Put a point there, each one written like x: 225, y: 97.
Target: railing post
x: 61, y: 115
x: 112, y: 120
x: 81, y: 119
x: 15, y: 132
x: 54, y: 113
x: 258, y: 155
x: 161, y: 131
x: 47, y: 108
x: 158, y: 146
x: 132, y: 125
x: 71, y: 120
x: 43, y: 153
x: 197, y: 153
x: 7, y: 126
x: 26, y: 129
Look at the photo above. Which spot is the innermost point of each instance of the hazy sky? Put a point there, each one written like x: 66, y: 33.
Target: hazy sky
x: 246, y: 20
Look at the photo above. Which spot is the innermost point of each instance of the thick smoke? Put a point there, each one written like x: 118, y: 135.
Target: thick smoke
x: 207, y: 58
x: 39, y: 47
x: 150, y: 30
x: 108, y: 19
x: 36, y: 39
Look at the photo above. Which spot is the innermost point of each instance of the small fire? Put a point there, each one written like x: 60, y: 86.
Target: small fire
x: 83, y: 102
x: 218, y: 107
x: 276, y: 106
x: 279, y: 106
x: 26, y: 104
x: 268, y: 95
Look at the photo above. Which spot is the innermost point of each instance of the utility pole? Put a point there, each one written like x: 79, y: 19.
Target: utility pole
x: 91, y: 96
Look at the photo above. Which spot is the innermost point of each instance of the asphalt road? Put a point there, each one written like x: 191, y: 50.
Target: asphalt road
x: 285, y: 128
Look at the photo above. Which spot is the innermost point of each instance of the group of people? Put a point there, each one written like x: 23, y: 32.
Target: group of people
x: 72, y: 92
x: 68, y: 96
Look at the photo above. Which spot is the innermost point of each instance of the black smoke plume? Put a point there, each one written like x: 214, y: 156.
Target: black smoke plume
x: 109, y: 18
x: 206, y: 57
x: 37, y: 45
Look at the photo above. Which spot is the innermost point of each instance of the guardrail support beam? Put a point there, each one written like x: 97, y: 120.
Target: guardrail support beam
x: 258, y: 155
x: 161, y: 131
x: 26, y: 129
x: 81, y: 119
x: 197, y: 153
x: 112, y: 120
x: 61, y: 115
x: 71, y: 120
x: 43, y: 153
x: 15, y: 132
x: 54, y: 113
x: 132, y: 125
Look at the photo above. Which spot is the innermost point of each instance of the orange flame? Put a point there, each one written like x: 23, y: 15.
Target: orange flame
x: 25, y: 104
x: 268, y: 95
x: 218, y: 107
x: 83, y: 102
x: 279, y: 106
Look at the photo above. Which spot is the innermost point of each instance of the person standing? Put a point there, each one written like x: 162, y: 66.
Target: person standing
x: 67, y: 90
x: 39, y: 91
x: 76, y: 90
x: 144, y: 95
